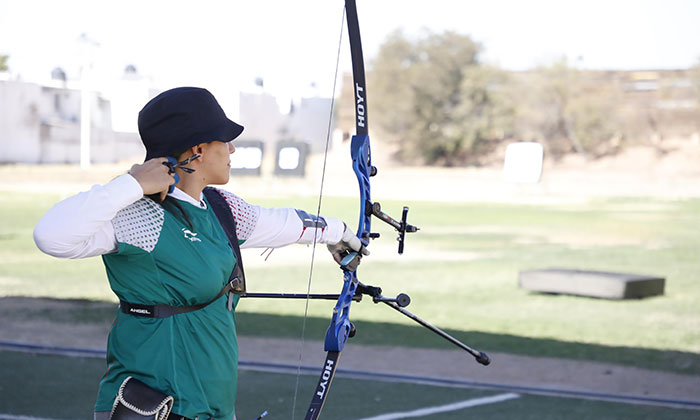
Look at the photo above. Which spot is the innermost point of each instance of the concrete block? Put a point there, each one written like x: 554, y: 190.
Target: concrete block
x: 599, y: 284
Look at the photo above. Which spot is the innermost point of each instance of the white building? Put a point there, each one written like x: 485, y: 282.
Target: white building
x: 40, y: 122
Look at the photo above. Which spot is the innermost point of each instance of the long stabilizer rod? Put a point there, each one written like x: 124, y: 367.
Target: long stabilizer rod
x: 356, y: 298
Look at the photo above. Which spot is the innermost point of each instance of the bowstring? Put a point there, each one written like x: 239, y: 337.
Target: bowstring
x: 318, y: 212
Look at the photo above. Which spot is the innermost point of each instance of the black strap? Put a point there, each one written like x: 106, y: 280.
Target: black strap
x: 165, y: 311
x: 228, y: 223
x: 236, y: 283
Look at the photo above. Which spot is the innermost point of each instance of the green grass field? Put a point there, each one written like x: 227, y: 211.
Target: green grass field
x: 461, y: 273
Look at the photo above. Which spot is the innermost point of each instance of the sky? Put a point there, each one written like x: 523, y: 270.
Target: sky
x: 226, y: 45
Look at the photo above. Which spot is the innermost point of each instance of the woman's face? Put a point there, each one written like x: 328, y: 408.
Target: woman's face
x: 216, y: 161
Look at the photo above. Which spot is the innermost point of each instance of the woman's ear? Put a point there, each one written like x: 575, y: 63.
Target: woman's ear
x: 194, y: 150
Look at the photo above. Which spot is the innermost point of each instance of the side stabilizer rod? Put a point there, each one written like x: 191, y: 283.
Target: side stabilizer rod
x: 480, y: 356
x: 402, y: 299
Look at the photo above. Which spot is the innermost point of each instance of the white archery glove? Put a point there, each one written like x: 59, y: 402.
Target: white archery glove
x: 348, y: 244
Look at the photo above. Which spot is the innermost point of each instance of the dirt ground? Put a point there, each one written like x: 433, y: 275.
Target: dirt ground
x: 671, y: 171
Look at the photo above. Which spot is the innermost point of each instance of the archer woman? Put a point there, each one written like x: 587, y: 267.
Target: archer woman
x: 173, y: 261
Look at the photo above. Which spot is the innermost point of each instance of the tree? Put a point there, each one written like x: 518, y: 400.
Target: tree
x: 434, y: 98
x: 3, y: 62
x: 567, y: 109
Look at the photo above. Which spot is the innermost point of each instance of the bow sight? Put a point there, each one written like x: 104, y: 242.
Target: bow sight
x: 401, y: 227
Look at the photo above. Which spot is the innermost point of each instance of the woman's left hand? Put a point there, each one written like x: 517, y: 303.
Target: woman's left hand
x: 348, y: 243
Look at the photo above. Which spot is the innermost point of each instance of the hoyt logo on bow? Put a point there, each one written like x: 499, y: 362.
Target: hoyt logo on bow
x: 360, y: 105
x: 325, y: 378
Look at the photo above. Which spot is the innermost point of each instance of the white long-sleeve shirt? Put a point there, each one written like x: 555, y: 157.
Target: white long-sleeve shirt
x: 82, y: 225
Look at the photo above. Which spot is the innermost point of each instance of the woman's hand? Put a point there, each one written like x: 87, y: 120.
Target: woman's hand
x: 348, y: 243
x: 153, y: 176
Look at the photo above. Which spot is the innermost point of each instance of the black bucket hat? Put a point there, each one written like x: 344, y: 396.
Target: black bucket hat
x: 183, y: 117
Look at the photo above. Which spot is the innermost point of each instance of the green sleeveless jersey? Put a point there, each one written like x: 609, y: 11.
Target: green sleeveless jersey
x: 161, y: 259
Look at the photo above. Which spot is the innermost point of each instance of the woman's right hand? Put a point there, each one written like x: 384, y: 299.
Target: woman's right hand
x: 153, y: 177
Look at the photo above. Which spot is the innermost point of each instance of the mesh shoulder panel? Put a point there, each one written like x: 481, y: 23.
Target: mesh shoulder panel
x: 139, y: 224
x: 245, y: 214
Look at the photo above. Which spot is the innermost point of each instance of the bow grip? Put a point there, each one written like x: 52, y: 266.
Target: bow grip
x: 350, y: 262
